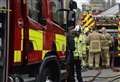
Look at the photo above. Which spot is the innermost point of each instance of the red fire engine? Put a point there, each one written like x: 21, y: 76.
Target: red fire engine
x: 36, y: 41
x: 112, y: 25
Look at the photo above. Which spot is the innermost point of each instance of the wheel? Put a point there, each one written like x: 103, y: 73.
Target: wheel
x: 15, y: 78
x: 49, y: 72
x: 47, y: 76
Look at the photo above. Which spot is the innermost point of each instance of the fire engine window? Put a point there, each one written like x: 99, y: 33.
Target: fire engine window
x: 55, y: 5
x: 35, y: 10
x: 2, y: 3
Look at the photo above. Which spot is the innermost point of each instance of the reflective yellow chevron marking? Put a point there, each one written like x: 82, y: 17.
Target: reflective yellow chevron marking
x: 86, y: 30
x: 86, y: 18
x: 36, y: 36
x: 22, y: 39
x: 17, y: 56
x: 60, y: 42
x: 119, y: 28
x: 92, y: 24
x: 43, y: 53
x: 89, y: 26
x: 88, y: 22
x: 118, y: 48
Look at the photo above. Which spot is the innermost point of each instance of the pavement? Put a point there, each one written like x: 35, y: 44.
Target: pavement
x: 103, y: 75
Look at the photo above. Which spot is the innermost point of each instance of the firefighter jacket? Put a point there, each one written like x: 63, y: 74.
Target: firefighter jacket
x: 80, y: 45
x: 106, y: 40
x: 94, y: 41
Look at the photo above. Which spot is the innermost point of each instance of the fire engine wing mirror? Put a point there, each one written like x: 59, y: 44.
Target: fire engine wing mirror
x: 69, y: 18
x: 43, y: 21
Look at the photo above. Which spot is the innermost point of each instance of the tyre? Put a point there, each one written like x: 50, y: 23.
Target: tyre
x: 49, y: 71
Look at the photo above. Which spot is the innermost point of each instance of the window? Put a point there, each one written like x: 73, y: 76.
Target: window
x: 56, y: 16
x: 35, y: 9
x: 3, y: 3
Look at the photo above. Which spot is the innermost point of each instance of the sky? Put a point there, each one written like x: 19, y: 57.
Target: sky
x: 118, y: 1
x: 80, y: 2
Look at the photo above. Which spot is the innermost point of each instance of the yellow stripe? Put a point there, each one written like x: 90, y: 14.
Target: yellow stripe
x: 92, y: 24
x: 43, y: 53
x: 36, y: 36
x: 86, y: 18
x: 118, y: 54
x: 60, y: 42
x: 22, y: 39
x: 119, y: 23
x: 118, y: 48
x: 86, y: 30
x: 119, y: 41
x: 118, y: 28
x: 17, y: 56
x: 118, y: 35
x: 88, y: 22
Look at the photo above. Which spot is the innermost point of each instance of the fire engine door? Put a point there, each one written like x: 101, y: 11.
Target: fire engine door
x: 2, y: 45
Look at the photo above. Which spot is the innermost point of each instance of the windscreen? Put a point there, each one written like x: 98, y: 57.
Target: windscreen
x: 56, y: 15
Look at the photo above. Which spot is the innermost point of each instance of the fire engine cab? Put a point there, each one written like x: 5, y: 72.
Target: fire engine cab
x: 34, y: 39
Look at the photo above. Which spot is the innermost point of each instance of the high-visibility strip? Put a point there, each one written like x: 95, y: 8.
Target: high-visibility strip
x: 43, y: 53
x: 36, y: 36
x: 89, y: 26
x: 86, y: 30
x: 88, y: 22
x: 118, y: 47
x: 119, y: 29
x: 119, y: 37
x: 60, y: 42
x: 86, y: 18
x: 22, y: 36
x: 92, y: 24
x: 17, y: 56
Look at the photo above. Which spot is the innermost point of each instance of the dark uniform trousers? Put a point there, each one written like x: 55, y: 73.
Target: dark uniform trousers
x: 75, y: 65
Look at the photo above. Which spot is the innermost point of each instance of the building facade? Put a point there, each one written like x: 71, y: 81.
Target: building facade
x: 97, y: 5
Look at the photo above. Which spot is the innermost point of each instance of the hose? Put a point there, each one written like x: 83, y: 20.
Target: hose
x: 102, y: 77
x: 97, y: 76
x: 94, y: 77
x: 114, y: 79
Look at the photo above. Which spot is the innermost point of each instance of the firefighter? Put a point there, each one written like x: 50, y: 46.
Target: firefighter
x: 78, y: 55
x: 106, y: 43
x: 83, y: 48
x: 94, y: 42
x: 69, y: 56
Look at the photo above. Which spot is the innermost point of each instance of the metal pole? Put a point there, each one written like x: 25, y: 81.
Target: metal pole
x: 6, y: 44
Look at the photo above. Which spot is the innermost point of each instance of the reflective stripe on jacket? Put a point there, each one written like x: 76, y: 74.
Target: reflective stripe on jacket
x: 80, y: 45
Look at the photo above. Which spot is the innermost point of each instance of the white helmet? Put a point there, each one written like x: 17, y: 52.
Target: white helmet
x: 77, y: 28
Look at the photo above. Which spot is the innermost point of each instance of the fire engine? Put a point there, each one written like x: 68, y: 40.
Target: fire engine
x: 87, y: 21
x: 112, y: 24
x: 34, y: 38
